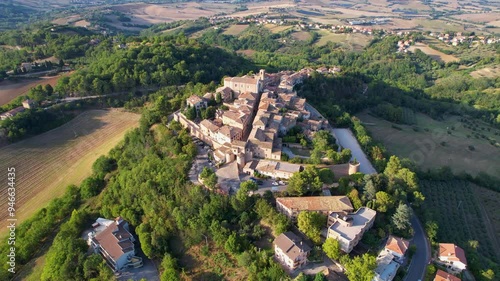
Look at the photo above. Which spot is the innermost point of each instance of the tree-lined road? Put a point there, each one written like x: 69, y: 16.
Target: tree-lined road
x: 422, y: 256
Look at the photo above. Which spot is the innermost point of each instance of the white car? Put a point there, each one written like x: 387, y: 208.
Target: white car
x: 275, y: 183
x: 282, y: 182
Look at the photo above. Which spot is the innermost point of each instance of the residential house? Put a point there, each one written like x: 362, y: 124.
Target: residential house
x: 26, y: 66
x: 196, y: 102
x: 226, y: 93
x: 28, y: 104
x: 348, y: 229
x: 113, y: 240
x: 397, y: 247
x: 452, y: 255
x: 445, y: 276
x: 387, y: 267
x: 292, y: 206
x: 290, y: 251
x: 11, y: 113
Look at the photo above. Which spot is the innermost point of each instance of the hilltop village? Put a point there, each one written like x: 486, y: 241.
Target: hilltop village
x: 257, y: 111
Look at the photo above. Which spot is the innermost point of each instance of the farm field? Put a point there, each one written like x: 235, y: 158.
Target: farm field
x: 479, y: 17
x: 10, y: 90
x: 432, y: 147
x: 350, y: 41
x: 435, y: 54
x: 46, y: 164
x: 235, y: 29
x: 301, y: 35
x: 489, y: 72
x: 465, y: 219
x: 277, y: 28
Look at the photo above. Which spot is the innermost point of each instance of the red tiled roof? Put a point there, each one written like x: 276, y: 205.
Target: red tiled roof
x: 445, y: 276
x: 397, y: 245
x: 452, y: 252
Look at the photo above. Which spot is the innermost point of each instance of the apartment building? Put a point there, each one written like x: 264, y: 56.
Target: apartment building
x: 348, y: 229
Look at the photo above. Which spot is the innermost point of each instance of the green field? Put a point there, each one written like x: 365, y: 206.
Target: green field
x: 430, y: 146
x: 46, y: 164
x: 460, y: 216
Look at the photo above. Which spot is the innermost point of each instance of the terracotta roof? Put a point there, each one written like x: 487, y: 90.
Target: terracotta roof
x: 397, y: 245
x: 248, y: 96
x: 317, y: 203
x: 209, y: 125
x: 445, y: 276
x: 194, y: 99
x: 115, y: 239
x: 229, y: 131
x: 291, y: 245
x: 452, y: 252
x: 246, y: 80
x: 236, y: 116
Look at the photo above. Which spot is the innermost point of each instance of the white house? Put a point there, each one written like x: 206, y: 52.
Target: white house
x: 114, y: 242
x: 397, y: 247
x: 349, y: 229
x: 452, y: 255
x: 290, y: 250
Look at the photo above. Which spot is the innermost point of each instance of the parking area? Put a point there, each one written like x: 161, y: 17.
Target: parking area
x: 266, y: 184
x: 200, y: 161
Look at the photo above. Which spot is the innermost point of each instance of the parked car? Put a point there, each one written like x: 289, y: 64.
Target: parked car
x: 253, y: 179
x: 259, y: 182
x: 282, y: 182
x: 275, y: 183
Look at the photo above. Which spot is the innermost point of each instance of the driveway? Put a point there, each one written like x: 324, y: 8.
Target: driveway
x: 346, y: 139
x: 199, y: 163
x: 266, y: 185
x: 147, y: 272
x: 228, y: 177
x: 422, y: 256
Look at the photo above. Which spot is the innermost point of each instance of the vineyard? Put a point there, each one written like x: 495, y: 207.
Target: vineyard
x: 47, y: 163
x: 459, y: 214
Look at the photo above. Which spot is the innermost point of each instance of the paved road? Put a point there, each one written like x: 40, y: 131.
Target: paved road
x: 422, y: 256
x: 347, y: 140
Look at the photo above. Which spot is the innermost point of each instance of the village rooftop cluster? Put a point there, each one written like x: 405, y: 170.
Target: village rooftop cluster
x: 258, y: 110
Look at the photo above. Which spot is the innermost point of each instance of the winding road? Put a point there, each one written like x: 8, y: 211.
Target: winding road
x: 422, y: 256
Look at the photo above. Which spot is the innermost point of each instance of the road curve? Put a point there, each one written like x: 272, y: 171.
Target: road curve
x: 422, y: 256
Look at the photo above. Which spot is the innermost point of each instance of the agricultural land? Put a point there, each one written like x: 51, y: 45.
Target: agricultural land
x: 48, y: 163
x: 9, y: 90
x: 467, y: 218
x: 428, y: 143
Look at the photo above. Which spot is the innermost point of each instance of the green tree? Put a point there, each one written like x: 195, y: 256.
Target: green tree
x: 249, y: 185
x: 401, y: 218
x: 360, y: 268
x: 190, y: 113
x: 311, y: 223
x: 102, y: 166
x: 233, y: 244
x: 384, y: 201
x: 90, y: 187
x: 218, y: 98
x: 431, y: 228
x: 331, y: 247
x: 326, y: 175
x: 307, y: 181
x: 168, y: 265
